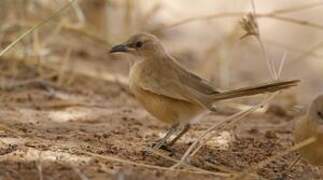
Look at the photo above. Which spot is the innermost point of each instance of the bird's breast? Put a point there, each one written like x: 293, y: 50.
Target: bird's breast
x: 134, y: 77
x: 164, y: 108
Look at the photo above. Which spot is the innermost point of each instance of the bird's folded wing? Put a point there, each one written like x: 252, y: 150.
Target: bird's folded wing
x: 194, y: 82
x: 169, y: 88
x: 194, y: 91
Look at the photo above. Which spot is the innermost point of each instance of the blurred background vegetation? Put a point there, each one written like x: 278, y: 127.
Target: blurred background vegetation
x: 78, y: 40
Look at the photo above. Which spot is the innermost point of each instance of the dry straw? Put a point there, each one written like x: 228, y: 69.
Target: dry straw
x: 276, y: 14
x: 250, y: 25
x: 247, y: 172
x: 37, y: 26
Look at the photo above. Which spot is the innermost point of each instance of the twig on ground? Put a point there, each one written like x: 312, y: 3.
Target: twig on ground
x: 291, y: 165
x: 188, y: 165
x: 123, y: 161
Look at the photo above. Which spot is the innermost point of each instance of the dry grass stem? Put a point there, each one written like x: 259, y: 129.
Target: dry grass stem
x: 250, y: 25
x: 292, y: 49
x: 306, y: 53
x: 81, y: 175
x: 39, y: 166
x: 271, y: 15
x: 291, y: 165
x: 270, y: 64
x: 187, y: 165
x: 53, y: 16
x: 297, y: 8
x: 123, y: 161
x: 79, y: 13
x: 64, y: 67
x: 281, y: 65
x: 262, y: 164
x: 234, y: 118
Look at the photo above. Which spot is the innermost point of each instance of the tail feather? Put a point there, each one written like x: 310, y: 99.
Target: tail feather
x: 249, y: 91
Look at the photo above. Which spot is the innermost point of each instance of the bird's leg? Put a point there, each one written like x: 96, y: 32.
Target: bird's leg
x: 163, y: 141
x: 180, y: 134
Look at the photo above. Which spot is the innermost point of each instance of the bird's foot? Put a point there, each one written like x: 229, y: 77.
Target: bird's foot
x: 159, y: 145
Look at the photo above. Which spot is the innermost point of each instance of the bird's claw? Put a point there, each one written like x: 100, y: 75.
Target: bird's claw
x: 159, y: 145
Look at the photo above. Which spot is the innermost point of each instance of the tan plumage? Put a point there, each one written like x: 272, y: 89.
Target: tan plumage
x: 170, y: 92
x: 311, y: 125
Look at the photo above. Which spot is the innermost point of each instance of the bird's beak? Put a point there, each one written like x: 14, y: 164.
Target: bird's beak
x: 119, y: 48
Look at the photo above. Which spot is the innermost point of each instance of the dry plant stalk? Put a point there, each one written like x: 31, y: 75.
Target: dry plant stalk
x: 265, y: 162
x: 37, y: 26
x: 64, y: 66
x: 39, y: 166
x: 234, y: 118
x: 308, y: 53
x: 123, y: 161
x: 297, y: 8
x: 251, y: 27
x: 81, y: 175
x: 231, y: 120
x: 190, y: 166
x: 272, y: 15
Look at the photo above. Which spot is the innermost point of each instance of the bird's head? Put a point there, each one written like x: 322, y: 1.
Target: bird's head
x: 141, y: 45
x: 316, y: 109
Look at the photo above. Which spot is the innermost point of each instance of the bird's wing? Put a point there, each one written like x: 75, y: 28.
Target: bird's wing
x: 179, y: 84
x: 192, y: 81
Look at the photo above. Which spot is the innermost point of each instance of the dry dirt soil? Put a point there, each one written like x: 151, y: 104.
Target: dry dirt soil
x: 73, y: 128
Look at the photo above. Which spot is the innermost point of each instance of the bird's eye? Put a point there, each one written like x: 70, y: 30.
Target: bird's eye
x: 320, y: 114
x: 139, y: 44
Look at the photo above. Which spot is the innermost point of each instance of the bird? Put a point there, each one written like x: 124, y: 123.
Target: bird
x: 311, y: 126
x: 170, y: 92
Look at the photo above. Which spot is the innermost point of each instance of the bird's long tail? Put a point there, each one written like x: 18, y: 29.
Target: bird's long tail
x: 253, y: 90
